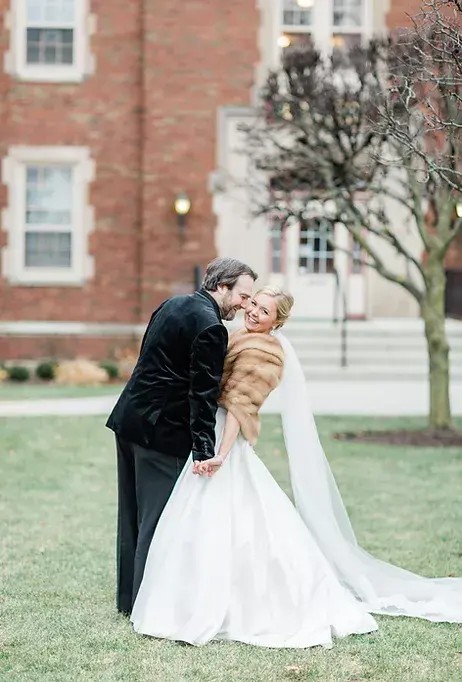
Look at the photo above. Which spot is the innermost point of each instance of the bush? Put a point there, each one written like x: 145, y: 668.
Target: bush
x: 46, y: 371
x: 111, y: 369
x: 3, y: 374
x: 17, y: 373
x: 80, y: 373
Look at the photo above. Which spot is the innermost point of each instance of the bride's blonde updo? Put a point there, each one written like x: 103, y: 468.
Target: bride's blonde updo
x: 284, y: 303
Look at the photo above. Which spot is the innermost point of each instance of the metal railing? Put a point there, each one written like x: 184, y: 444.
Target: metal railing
x: 340, y: 295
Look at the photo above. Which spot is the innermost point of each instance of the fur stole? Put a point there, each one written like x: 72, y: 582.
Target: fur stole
x: 253, y: 368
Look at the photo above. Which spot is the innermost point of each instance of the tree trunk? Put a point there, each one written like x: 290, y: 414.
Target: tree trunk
x: 432, y: 308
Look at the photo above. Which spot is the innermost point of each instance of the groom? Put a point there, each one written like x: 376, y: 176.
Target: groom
x: 167, y: 409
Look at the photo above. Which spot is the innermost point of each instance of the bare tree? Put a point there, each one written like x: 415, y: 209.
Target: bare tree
x: 363, y: 131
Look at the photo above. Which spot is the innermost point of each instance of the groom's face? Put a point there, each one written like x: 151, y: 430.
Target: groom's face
x: 237, y: 298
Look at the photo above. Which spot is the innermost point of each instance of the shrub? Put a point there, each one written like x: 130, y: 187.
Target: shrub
x: 80, y: 373
x: 17, y: 373
x: 46, y: 371
x: 3, y: 374
x: 111, y: 369
x: 126, y: 360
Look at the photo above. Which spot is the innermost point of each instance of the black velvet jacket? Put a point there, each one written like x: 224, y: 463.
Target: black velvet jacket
x: 169, y: 403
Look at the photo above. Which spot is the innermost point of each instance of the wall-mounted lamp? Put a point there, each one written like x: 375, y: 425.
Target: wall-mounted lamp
x: 284, y: 41
x: 182, y: 207
x: 459, y: 209
x: 305, y: 4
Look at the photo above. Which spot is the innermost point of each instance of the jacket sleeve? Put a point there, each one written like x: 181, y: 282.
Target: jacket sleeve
x: 206, y: 369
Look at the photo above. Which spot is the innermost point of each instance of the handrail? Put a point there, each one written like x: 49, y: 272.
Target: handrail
x: 340, y: 294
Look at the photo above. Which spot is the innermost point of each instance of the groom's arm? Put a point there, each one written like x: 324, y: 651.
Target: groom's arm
x: 206, y: 369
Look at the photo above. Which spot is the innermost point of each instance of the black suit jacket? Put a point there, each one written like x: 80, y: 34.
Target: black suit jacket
x: 169, y: 403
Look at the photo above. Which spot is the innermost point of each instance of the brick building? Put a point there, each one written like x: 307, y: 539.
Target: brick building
x: 109, y: 112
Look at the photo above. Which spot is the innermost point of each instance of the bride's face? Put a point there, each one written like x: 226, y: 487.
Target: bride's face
x: 261, y: 314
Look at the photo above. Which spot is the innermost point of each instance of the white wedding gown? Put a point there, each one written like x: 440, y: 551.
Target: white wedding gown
x: 232, y: 559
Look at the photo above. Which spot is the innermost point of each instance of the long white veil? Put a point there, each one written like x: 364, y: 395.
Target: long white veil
x: 381, y: 587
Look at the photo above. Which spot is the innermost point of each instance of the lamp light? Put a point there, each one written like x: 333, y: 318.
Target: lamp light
x: 182, y: 207
x: 284, y: 41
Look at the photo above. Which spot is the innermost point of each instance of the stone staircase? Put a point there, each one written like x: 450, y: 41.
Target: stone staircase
x: 377, y: 350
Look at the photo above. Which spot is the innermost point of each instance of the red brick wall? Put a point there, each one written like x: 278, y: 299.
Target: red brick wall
x: 399, y: 13
x: 151, y: 133
x: 103, y: 114
x: 68, y: 347
x: 198, y: 56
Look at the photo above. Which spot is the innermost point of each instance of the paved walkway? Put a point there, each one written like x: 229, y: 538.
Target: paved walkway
x: 388, y: 398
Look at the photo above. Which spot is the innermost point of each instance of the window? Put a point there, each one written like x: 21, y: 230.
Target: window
x: 297, y: 24
x: 49, y: 40
x: 356, y: 258
x: 348, y: 13
x: 348, y: 23
x: 316, y: 254
x: 295, y: 14
x: 50, y: 31
x: 332, y: 25
x: 48, y: 218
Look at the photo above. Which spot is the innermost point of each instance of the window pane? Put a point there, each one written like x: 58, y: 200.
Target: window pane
x: 356, y: 257
x: 49, y: 195
x: 316, y: 254
x: 342, y: 44
x: 48, y: 250
x: 49, y: 55
x: 295, y: 40
x: 50, y: 46
x: 294, y: 15
x: 67, y: 54
x: 34, y: 10
x: 51, y: 12
x: 348, y: 13
x: 276, y: 250
x: 33, y: 55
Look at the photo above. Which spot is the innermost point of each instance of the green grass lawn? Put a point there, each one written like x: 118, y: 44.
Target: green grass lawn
x: 17, y: 391
x: 57, y: 512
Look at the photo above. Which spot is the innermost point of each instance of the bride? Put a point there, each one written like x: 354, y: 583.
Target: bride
x: 233, y: 559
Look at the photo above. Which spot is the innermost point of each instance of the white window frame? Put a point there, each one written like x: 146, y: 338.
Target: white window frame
x: 16, y: 58
x: 322, y: 28
x: 14, y: 222
x: 311, y: 228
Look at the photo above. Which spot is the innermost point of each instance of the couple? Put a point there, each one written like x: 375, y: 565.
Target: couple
x: 230, y: 557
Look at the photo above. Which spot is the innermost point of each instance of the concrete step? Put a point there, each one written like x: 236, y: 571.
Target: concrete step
x: 369, y: 336
x: 371, y: 373
x: 377, y: 350
x: 370, y: 355
x: 361, y: 346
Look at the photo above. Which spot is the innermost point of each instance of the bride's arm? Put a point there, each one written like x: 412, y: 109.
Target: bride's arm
x: 230, y: 433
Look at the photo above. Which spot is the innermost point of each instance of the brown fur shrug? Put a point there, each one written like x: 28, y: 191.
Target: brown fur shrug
x: 253, y: 368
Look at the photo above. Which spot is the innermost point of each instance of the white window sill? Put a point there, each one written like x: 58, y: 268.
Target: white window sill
x: 49, y: 74
x: 47, y: 283
x: 46, y: 277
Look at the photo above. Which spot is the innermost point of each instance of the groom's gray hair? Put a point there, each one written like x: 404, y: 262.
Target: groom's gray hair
x: 225, y: 271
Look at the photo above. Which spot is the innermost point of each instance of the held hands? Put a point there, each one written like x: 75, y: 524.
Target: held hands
x: 208, y: 467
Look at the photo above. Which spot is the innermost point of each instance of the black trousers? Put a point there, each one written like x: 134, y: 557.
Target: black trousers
x: 145, y: 481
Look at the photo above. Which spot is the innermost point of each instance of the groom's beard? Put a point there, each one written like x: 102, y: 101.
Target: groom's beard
x: 228, y: 312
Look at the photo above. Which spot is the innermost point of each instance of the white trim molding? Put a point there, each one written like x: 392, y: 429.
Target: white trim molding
x: 83, y: 62
x: 13, y: 219
x: 94, y: 329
